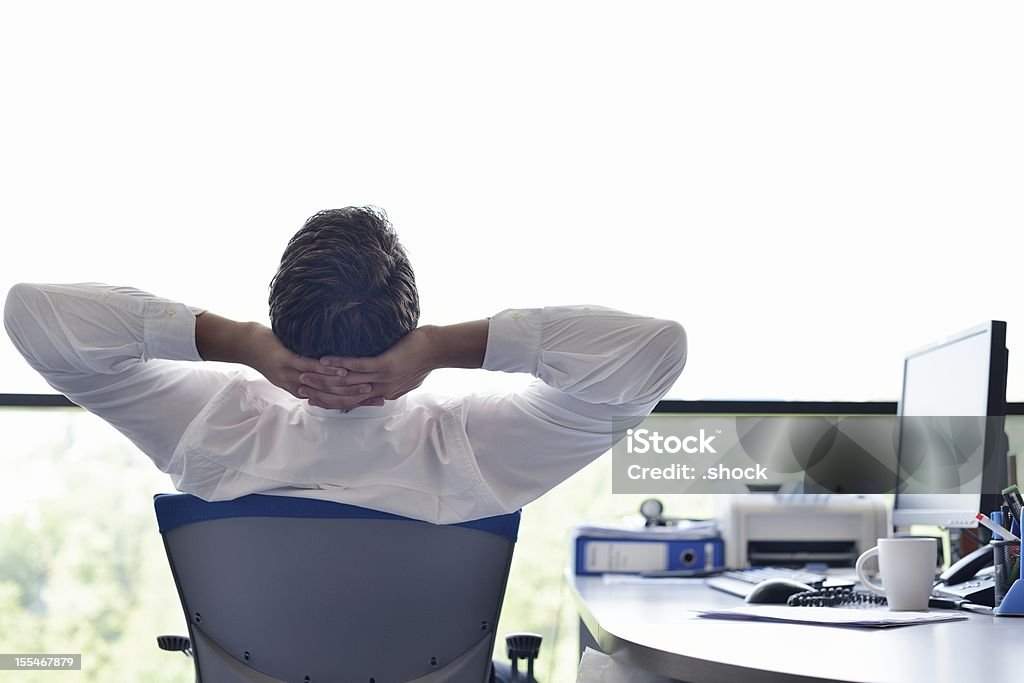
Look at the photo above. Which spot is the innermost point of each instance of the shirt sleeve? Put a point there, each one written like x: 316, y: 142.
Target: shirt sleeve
x: 599, y: 372
x: 116, y: 351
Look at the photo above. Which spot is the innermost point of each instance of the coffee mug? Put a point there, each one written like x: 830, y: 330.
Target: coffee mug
x: 907, y: 570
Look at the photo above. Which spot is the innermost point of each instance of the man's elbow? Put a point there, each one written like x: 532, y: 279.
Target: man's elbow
x: 670, y: 342
x: 17, y: 311
x: 22, y: 323
x: 674, y: 336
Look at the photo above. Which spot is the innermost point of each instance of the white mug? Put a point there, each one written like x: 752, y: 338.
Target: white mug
x: 907, y: 569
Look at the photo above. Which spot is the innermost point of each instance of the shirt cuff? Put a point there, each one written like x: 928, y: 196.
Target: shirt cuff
x: 170, y: 331
x: 513, y: 341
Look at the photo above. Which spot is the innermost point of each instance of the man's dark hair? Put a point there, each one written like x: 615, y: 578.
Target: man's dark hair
x: 345, y: 286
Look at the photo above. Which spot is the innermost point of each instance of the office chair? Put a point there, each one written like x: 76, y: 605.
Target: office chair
x: 284, y: 589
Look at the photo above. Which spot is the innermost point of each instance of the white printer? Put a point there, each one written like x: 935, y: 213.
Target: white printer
x: 765, y: 529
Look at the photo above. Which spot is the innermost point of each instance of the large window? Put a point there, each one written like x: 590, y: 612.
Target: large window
x: 83, y: 569
x: 812, y: 189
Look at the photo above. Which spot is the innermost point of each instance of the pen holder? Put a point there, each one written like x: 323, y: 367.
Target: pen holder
x: 1006, y: 559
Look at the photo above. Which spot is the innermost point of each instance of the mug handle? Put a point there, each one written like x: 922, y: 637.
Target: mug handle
x: 876, y: 588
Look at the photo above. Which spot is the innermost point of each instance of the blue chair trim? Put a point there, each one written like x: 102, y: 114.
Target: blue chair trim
x: 179, y: 509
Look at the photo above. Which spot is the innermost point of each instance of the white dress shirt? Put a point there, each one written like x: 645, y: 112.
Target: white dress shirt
x: 122, y: 354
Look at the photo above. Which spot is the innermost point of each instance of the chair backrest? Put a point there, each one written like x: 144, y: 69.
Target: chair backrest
x: 279, y: 588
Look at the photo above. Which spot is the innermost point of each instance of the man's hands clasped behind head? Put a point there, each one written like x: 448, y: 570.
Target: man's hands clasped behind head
x: 340, y: 383
x: 286, y: 369
x: 344, y: 383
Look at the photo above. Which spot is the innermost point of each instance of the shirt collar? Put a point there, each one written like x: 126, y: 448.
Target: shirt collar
x: 389, y: 408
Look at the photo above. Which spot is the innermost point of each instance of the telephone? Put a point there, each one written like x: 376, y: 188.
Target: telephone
x: 968, y: 579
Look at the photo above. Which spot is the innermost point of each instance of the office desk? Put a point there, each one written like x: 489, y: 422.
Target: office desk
x: 652, y: 626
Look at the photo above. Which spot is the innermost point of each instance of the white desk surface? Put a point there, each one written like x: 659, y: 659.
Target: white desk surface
x: 653, y: 626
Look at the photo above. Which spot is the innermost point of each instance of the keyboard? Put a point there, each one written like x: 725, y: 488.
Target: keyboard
x: 740, y: 582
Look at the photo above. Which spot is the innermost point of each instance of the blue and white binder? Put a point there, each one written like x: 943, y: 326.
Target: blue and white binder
x: 693, y: 546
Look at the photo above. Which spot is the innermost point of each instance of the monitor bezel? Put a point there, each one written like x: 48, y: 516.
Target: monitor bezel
x: 994, y: 473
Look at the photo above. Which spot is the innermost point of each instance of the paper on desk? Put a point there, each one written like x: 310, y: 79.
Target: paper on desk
x: 877, y: 617
x: 597, y: 667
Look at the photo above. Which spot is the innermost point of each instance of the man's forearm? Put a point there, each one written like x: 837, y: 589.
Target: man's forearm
x: 84, y: 330
x: 221, y: 339
x: 462, y: 345
x: 595, y: 354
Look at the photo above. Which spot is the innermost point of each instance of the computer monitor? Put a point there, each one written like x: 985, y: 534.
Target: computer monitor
x: 954, y: 382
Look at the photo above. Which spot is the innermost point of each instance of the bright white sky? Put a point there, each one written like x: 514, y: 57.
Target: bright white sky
x: 811, y: 188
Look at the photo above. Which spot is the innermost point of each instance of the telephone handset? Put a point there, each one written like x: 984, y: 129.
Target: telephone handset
x: 967, y: 567
x: 967, y: 580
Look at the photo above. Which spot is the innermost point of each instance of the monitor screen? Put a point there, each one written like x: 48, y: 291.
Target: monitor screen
x: 952, y: 382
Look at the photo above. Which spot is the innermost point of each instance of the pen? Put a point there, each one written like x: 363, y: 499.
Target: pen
x: 951, y: 603
x: 1011, y: 494
x: 1005, y: 533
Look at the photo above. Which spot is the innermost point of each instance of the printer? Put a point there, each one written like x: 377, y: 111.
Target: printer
x: 767, y: 529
